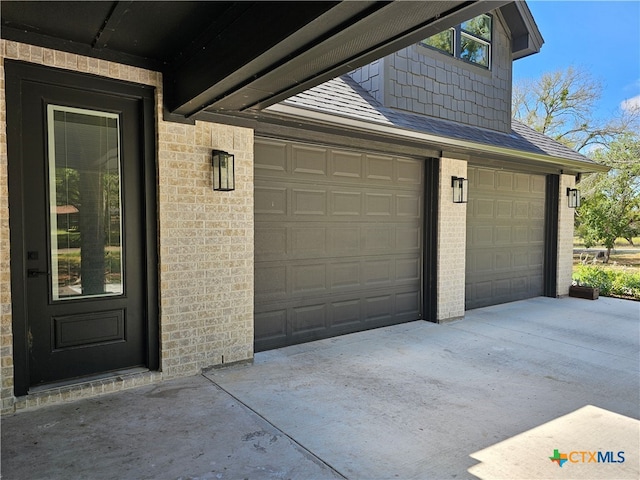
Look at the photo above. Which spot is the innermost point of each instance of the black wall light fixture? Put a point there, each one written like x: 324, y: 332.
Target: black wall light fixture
x: 460, y: 189
x: 573, y: 195
x: 223, y: 171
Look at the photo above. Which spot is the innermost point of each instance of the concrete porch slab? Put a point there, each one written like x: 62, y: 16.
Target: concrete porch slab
x: 180, y: 429
x: 417, y: 400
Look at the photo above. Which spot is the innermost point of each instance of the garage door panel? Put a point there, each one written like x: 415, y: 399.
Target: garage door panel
x: 309, y: 202
x: 346, y: 203
x: 345, y: 240
x: 409, y: 172
x: 501, y: 288
x: 502, y: 261
x: 537, y: 210
x: 521, y: 259
x: 345, y: 275
x: 270, y: 158
x: 271, y: 280
x: 538, y: 184
x: 309, y: 162
x: 309, y: 278
x: 479, y: 263
x: 378, y: 307
x: 481, y: 235
x: 347, y: 166
x: 536, y: 259
x: 271, y: 325
x: 308, y: 241
x: 271, y: 242
x: 504, y: 181
x: 408, y: 270
x: 347, y: 312
x: 505, y: 241
x: 338, y: 241
x: 408, y: 239
x: 378, y: 271
x: 536, y: 235
x: 407, y: 303
x: 379, y: 169
x: 270, y: 200
x: 309, y: 318
x: 409, y: 206
x: 521, y: 234
x: 484, y: 207
x: 378, y: 204
x: 484, y: 179
x: 376, y: 238
x: 502, y: 235
x: 522, y: 182
x: 504, y: 208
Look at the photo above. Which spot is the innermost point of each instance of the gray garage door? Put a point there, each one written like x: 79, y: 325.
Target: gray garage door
x: 505, y: 236
x: 338, y: 238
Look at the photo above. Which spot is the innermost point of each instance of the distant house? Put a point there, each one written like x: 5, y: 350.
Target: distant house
x: 379, y: 179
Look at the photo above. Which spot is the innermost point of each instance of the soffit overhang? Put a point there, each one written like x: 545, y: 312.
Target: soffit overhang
x: 233, y: 56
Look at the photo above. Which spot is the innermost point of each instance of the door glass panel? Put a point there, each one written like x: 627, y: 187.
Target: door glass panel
x: 85, y: 203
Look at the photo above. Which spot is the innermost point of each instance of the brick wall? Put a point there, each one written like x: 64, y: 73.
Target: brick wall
x: 205, y: 242
x: 421, y: 80
x: 565, y: 236
x: 452, y: 230
x: 6, y: 337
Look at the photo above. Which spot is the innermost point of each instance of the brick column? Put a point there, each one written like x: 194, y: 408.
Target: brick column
x: 452, y: 234
x: 565, y: 237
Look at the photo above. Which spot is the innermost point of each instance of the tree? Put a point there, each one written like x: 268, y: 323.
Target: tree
x: 611, y: 206
x: 560, y: 105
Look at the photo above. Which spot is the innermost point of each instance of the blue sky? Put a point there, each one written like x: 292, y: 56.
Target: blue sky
x: 602, y: 37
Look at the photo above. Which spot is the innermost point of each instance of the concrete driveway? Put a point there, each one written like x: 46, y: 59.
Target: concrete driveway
x: 491, y: 396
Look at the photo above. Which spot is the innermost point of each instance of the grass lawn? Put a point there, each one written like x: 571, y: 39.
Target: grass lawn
x: 618, y: 278
x: 623, y: 256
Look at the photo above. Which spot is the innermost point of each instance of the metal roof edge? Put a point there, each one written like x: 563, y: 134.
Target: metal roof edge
x: 353, y: 124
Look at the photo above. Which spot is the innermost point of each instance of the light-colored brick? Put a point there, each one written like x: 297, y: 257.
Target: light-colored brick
x: 565, y: 236
x: 205, y: 242
x: 452, y: 228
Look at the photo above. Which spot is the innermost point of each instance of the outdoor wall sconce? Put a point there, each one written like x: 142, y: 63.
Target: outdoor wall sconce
x: 460, y: 189
x: 573, y: 195
x: 223, y: 171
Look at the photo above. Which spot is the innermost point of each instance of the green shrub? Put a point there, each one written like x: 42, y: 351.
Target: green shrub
x: 611, y: 282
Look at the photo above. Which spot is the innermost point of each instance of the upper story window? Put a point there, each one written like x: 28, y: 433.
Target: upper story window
x: 469, y: 41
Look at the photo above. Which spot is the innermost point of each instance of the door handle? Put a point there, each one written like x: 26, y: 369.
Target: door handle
x: 34, y: 272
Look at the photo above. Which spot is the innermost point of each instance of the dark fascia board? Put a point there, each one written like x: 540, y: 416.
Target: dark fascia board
x: 526, y: 38
x: 191, y: 84
x: 267, y: 87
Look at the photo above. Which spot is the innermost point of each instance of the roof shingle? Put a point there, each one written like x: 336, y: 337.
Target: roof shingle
x: 344, y: 97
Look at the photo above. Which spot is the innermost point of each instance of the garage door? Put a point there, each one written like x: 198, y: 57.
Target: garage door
x: 505, y: 236
x: 338, y: 238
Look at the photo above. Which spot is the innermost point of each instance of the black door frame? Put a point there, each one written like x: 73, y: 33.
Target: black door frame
x: 430, y: 246
x: 552, y: 198
x: 17, y: 72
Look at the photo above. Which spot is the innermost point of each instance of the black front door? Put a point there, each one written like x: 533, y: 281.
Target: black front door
x: 83, y: 250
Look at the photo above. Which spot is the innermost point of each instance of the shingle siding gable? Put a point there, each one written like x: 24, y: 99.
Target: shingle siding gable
x: 421, y: 80
x: 344, y: 97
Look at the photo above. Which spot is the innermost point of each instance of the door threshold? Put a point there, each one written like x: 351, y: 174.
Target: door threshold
x: 88, y: 379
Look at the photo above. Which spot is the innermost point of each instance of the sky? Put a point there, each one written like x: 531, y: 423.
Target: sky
x: 601, y: 37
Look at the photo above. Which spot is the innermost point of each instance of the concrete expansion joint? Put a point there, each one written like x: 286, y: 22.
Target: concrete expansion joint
x: 285, y: 434
x: 223, y: 364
